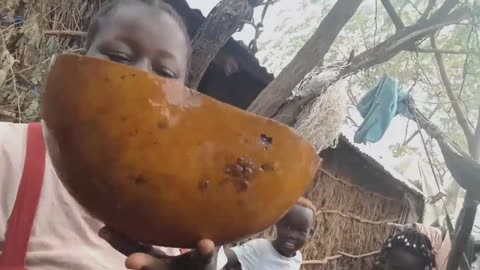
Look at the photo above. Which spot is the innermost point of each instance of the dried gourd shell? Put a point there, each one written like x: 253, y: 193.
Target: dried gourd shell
x: 166, y: 165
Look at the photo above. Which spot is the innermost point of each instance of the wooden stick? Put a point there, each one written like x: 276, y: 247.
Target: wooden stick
x: 357, y: 218
x: 462, y: 235
x: 65, y: 33
x: 340, y: 255
x: 361, y: 255
x: 354, y: 186
x: 322, y: 261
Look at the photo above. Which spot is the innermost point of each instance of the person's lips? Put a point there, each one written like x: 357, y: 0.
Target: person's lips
x: 289, y: 244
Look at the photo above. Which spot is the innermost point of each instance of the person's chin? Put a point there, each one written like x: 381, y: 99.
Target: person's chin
x: 288, y: 251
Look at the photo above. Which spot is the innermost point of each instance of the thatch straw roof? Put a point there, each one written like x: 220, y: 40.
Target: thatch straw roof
x: 391, y: 174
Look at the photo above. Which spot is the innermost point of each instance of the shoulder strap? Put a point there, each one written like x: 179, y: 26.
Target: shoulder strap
x: 26, y: 202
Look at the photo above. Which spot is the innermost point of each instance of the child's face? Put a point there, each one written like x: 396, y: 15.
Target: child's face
x: 146, y: 38
x: 400, y: 259
x: 293, y: 230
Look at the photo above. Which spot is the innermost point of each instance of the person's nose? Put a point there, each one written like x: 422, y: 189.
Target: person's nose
x: 144, y: 64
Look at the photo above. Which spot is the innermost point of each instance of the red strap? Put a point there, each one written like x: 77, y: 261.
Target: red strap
x: 184, y: 250
x: 23, y: 214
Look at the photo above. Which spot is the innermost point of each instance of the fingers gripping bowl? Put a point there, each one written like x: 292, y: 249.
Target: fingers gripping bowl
x: 166, y: 165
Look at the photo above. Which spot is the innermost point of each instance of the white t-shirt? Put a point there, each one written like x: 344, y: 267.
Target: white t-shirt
x: 63, y: 236
x: 260, y: 254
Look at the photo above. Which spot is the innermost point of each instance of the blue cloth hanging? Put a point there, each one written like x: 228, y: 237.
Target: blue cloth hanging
x: 378, y: 107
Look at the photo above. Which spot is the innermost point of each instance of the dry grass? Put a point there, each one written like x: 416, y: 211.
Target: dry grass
x: 25, y: 50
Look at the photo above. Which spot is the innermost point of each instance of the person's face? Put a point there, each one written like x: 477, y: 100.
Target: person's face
x: 293, y: 230
x: 146, y: 38
x: 400, y: 259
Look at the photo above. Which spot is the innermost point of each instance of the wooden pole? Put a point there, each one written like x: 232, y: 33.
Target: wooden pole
x: 463, y: 234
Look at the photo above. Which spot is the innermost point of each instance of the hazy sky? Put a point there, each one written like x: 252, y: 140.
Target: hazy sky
x: 247, y: 33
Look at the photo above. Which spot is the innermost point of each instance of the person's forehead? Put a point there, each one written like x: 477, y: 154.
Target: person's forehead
x: 157, y: 26
x: 302, y: 211
x: 299, y: 215
x: 135, y: 10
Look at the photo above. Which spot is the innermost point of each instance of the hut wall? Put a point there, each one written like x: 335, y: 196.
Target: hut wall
x: 355, y: 200
x: 350, y: 219
x: 354, y: 204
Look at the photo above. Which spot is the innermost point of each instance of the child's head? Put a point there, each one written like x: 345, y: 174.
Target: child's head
x: 146, y: 34
x: 407, y: 250
x: 294, y: 228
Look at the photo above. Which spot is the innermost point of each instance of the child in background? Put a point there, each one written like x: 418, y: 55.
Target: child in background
x: 406, y: 250
x: 283, y: 253
x: 441, y: 243
x: 148, y: 35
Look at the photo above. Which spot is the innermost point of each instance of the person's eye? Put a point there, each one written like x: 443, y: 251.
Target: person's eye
x: 119, y: 58
x: 165, y: 72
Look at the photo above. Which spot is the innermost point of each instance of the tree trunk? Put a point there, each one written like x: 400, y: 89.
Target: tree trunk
x: 224, y: 20
x: 463, y: 232
x: 310, y: 55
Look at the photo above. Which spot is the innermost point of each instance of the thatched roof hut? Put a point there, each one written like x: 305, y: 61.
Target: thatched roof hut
x: 356, y: 197
x: 354, y: 193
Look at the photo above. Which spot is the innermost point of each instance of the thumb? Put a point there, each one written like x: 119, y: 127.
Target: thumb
x: 206, y: 248
x: 140, y: 261
x: 198, y: 259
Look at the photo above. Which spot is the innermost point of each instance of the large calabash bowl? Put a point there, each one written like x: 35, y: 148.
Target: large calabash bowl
x: 166, y: 165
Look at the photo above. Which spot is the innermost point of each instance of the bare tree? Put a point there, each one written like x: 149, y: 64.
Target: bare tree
x: 403, y: 40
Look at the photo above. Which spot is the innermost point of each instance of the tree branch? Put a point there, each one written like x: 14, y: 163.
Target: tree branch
x: 65, y: 33
x: 309, y: 56
x: 433, y: 130
x: 397, y: 21
x: 224, y: 20
x: 422, y: 50
x: 462, y: 120
x: 338, y: 256
x: 444, y: 9
x: 401, y: 40
x: 355, y: 217
x: 428, y: 9
x: 409, y: 139
x: 476, y: 140
x: 430, y: 115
